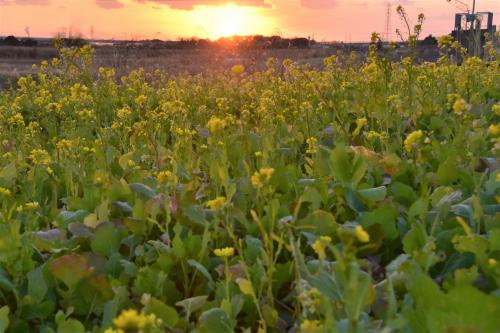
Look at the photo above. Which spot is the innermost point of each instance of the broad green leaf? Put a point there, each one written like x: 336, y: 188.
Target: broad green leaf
x: 386, y: 217
x: 447, y: 172
x: 341, y: 166
x: 162, y: 311
x: 8, y: 173
x: 195, y: 213
x: 319, y: 223
x: 203, y: 271
x: 4, y: 318
x: 70, y: 269
x: 142, y: 189
x: 192, y: 304
x: 37, y: 287
x: 373, y: 194
x: 71, y: 326
x: 106, y: 240
x: 215, y: 320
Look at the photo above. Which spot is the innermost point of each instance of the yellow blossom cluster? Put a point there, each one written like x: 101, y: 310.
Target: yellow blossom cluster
x: 131, y: 319
x: 216, y: 125
x: 167, y: 177
x: 216, y: 203
x: 40, y: 157
x: 320, y: 245
x: 413, y: 139
x: 260, y: 178
x: 312, y: 145
x: 224, y: 252
x: 237, y: 69
x: 361, y: 234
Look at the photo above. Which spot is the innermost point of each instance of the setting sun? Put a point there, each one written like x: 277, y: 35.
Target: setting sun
x: 230, y: 19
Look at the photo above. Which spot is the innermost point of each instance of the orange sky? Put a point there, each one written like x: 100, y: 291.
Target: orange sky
x: 341, y: 20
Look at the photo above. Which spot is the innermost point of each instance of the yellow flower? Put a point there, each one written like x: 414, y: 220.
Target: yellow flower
x: 110, y: 330
x: 49, y: 170
x: 360, y: 123
x: 492, y: 262
x: 312, y: 145
x: 237, y: 69
x: 167, y: 177
x: 217, y: 203
x: 258, y: 154
x: 224, y: 252
x: 261, y: 177
x: 494, y: 130
x: 310, y: 326
x: 362, y: 235
x: 40, y: 156
x: 496, y: 109
x: 460, y: 106
x: 412, y: 139
x: 32, y: 205
x: 133, y: 320
x: 320, y: 245
x: 123, y: 113
x: 4, y: 191
x: 216, y: 125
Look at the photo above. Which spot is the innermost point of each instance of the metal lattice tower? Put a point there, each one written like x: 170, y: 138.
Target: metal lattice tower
x: 388, y: 27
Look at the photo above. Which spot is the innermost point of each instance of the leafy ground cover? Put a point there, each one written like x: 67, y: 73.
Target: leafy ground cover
x: 360, y: 198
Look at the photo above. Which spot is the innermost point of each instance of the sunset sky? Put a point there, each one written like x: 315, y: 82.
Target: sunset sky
x: 341, y: 20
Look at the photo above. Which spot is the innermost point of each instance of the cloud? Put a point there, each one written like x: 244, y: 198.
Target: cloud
x: 190, y: 4
x: 109, y: 4
x: 24, y: 2
x: 318, y: 4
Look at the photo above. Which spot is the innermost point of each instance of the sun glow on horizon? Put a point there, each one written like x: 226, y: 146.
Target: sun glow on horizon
x: 230, y: 20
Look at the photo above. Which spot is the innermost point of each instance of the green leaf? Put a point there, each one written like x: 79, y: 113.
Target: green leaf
x: 341, y: 166
x: 203, y: 271
x: 163, y: 311
x: 319, y: 223
x: 215, y: 321
x: 142, y: 189
x: 192, y: 304
x: 67, y: 217
x: 385, y: 217
x: 418, y: 208
x: 70, y: 269
x: 463, y: 309
x: 8, y: 173
x: 195, y: 213
x: 37, y: 287
x: 373, y: 194
x: 71, y: 326
x: 106, y: 240
x: 447, y: 172
x: 4, y: 318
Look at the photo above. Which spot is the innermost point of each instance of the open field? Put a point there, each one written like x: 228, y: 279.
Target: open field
x: 357, y: 194
x: 17, y: 61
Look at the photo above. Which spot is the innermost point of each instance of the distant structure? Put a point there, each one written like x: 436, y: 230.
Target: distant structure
x: 388, y: 27
x: 471, y: 27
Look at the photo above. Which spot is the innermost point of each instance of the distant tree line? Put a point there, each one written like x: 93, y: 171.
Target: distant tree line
x: 242, y: 42
x: 14, y: 41
x: 31, y: 42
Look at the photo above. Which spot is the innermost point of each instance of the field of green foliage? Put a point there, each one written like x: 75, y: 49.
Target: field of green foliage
x: 361, y: 198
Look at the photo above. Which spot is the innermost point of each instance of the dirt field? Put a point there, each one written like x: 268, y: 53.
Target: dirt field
x: 18, y: 61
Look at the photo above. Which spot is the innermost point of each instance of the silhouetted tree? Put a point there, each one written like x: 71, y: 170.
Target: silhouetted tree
x: 11, y: 41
